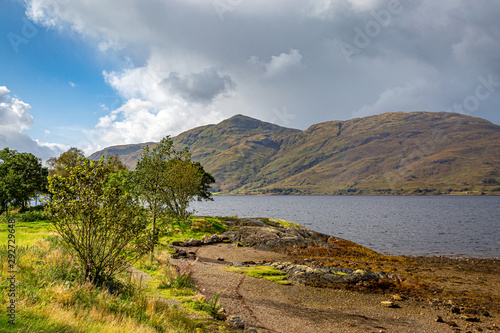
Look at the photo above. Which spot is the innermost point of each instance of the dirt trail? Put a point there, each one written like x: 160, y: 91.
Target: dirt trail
x: 296, y: 308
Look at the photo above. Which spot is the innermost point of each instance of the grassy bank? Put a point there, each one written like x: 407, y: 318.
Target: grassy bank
x: 52, y: 296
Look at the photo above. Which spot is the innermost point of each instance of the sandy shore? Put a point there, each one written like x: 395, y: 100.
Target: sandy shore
x: 464, y: 293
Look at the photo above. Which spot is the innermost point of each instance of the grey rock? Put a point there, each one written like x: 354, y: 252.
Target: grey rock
x: 236, y: 321
x: 193, y: 242
x: 179, y: 254
x: 322, y: 277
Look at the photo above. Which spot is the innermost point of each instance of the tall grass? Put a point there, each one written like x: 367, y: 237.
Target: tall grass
x: 53, y: 296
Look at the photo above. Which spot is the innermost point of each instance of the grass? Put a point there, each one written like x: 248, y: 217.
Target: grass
x: 53, y: 297
x: 213, y: 307
x: 262, y: 272
x: 195, y: 227
x: 285, y: 223
x: 50, y: 298
x: 27, y: 232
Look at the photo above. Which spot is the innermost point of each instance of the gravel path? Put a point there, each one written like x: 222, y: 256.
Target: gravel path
x: 296, y: 308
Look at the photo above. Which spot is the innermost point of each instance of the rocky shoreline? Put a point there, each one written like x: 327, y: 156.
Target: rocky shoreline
x: 464, y: 290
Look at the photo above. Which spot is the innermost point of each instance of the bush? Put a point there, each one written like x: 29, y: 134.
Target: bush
x: 32, y: 216
x: 175, y: 277
x: 212, y: 307
x: 97, y: 216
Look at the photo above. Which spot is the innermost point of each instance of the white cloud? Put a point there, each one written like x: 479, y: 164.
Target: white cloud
x: 185, y: 67
x: 364, y: 5
x: 278, y: 64
x: 411, y: 96
x: 14, y: 113
x: 142, y: 121
x: 15, y: 118
x: 56, y: 147
x: 72, y: 84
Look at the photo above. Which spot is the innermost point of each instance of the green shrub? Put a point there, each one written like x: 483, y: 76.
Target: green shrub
x: 32, y: 216
x: 212, y: 307
x: 176, y: 277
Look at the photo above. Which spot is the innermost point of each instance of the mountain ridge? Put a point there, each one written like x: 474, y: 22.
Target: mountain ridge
x: 392, y: 153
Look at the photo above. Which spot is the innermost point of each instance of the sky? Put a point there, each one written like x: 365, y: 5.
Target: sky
x: 96, y: 73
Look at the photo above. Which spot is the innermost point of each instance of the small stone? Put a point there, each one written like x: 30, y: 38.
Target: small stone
x: 220, y: 259
x: 470, y: 311
x: 455, y: 309
x: 452, y: 324
x: 435, y: 301
x: 398, y: 298
x: 469, y: 318
x: 484, y: 313
x: 389, y: 304
x: 439, y: 319
x: 359, y: 271
x: 236, y: 321
x: 193, y: 242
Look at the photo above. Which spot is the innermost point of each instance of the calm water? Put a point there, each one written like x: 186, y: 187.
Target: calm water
x: 466, y: 226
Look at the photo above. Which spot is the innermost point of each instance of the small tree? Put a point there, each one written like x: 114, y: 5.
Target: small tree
x: 186, y: 181
x: 97, y: 216
x: 22, y: 177
x: 61, y: 165
x: 115, y: 162
x: 167, y: 181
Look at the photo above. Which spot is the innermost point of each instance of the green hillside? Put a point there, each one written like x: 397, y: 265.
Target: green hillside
x: 392, y: 153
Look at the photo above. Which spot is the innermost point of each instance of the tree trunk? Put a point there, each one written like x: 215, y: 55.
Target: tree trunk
x: 153, y: 231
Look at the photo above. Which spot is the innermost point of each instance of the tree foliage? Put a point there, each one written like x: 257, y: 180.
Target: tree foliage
x: 167, y: 181
x: 62, y: 164
x: 115, y: 162
x: 22, y: 177
x: 97, y: 216
x: 187, y: 180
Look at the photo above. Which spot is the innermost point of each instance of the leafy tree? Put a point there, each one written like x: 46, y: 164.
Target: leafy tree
x: 206, y: 182
x: 115, y: 162
x: 61, y: 165
x: 167, y: 181
x: 22, y: 177
x: 97, y: 216
x: 187, y: 180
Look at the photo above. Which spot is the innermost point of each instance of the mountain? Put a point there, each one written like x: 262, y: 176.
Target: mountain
x: 129, y: 154
x: 392, y: 153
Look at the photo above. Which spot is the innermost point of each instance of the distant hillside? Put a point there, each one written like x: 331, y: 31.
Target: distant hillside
x: 129, y: 154
x: 392, y: 153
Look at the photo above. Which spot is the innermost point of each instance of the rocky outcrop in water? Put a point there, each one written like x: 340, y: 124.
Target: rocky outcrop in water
x: 270, y: 235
